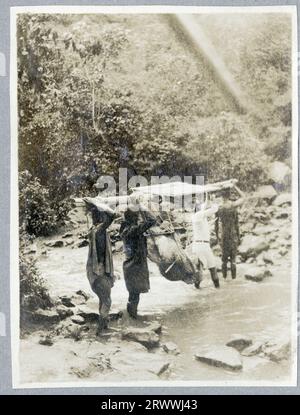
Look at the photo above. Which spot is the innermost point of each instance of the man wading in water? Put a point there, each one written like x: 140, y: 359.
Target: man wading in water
x: 202, y: 251
x: 137, y: 220
x: 99, y: 267
x: 227, y: 216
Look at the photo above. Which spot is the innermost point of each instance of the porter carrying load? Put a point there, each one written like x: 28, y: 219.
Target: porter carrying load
x: 163, y: 245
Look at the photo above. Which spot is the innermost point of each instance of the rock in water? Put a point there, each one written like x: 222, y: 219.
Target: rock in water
x: 252, y: 246
x: 256, y: 274
x: 159, y: 368
x: 146, y: 337
x: 171, y: 348
x: 239, y: 342
x: 253, y: 350
x: 268, y: 273
x: 277, y: 352
x: 225, y: 357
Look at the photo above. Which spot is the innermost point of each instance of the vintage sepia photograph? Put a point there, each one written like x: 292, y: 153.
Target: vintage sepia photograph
x: 154, y: 196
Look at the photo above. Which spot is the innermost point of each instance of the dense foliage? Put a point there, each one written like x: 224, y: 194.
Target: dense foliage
x: 37, y: 215
x: 101, y: 92
x: 33, y: 292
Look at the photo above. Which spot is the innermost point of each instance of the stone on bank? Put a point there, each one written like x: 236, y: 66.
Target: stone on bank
x: 221, y: 356
x: 146, y: 337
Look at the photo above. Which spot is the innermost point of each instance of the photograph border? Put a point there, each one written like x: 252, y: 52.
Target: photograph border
x: 14, y: 241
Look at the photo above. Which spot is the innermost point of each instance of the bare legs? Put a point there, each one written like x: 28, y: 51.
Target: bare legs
x: 199, y: 275
x: 102, y: 287
x: 214, y: 277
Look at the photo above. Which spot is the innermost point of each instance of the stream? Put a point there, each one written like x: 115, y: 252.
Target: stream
x: 257, y: 310
x: 195, y: 319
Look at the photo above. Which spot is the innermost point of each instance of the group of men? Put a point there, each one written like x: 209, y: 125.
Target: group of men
x: 136, y: 221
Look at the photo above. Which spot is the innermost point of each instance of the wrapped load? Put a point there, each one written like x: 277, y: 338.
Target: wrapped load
x: 165, y: 250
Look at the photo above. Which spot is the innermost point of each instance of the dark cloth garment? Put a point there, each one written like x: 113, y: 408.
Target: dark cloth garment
x: 229, y: 251
x: 133, y: 298
x: 227, y: 217
x: 232, y: 259
x: 100, y: 261
x: 135, y: 267
x: 132, y: 305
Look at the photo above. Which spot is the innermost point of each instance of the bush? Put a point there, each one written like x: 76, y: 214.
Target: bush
x: 35, y: 212
x: 33, y: 292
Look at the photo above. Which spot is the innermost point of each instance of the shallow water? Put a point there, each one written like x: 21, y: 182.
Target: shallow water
x: 259, y: 311
x: 196, y: 319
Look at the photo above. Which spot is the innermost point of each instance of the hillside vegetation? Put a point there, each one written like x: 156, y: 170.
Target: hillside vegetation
x: 99, y: 92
